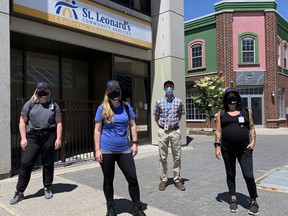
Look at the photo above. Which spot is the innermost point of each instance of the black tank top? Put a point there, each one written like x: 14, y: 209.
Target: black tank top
x: 234, y: 132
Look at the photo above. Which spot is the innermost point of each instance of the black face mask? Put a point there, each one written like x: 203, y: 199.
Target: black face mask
x: 114, y: 95
x: 232, y: 100
x: 42, y: 94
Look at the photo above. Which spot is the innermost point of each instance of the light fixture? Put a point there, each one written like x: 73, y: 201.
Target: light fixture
x: 273, y: 94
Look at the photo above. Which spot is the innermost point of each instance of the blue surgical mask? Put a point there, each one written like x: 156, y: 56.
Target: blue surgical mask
x: 232, y: 100
x: 169, y: 90
x: 42, y: 94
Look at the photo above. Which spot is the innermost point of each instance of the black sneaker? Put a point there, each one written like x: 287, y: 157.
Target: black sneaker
x: 17, y: 198
x: 110, y: 208
x: 47, y: 193
x: 138, y: 209
x: 233, y: 207
x: 254, y: 209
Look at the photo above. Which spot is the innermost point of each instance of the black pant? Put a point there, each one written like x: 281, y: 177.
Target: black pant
x: 245, y: 159
x: 127, y: 165
x: 38, y: 142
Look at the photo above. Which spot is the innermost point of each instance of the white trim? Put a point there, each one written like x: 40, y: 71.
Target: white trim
x: 204, y: 74
x: 195, y: 120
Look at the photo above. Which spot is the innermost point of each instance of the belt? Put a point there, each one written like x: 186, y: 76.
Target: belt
x: 53, y: 129
x: 170, y: 129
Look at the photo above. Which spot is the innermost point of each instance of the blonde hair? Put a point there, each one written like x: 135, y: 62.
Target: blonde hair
x: 107, y: 112
x: 35, y: 98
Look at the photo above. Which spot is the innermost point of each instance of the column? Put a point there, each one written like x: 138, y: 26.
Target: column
x: 5, y: 134
x: 168, y: 57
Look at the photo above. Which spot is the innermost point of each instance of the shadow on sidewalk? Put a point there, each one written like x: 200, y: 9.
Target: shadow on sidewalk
x: 126, y: 206
x: 171, y: 181
x: 56, y: 188
x: 242, y: 199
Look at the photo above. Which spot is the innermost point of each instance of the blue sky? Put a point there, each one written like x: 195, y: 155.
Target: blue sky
x: 198, y: 8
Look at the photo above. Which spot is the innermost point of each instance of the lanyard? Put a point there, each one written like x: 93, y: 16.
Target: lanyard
x: 168, y: 105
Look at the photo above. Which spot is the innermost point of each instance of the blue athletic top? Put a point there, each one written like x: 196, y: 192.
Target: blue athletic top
x: 114, y: 135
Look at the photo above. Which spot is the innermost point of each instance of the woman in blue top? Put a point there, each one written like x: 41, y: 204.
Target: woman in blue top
x: 112, y: 145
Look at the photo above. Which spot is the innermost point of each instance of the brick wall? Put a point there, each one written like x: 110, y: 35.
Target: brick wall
x: 270, y: 103
x: 224, y: 34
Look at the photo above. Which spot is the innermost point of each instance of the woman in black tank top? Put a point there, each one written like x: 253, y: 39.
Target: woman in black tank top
x: 235, y: 138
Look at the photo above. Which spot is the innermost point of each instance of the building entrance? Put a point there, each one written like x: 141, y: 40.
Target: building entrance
x: 256, y: 105
x: 135, y: 91
x: 77, y: 79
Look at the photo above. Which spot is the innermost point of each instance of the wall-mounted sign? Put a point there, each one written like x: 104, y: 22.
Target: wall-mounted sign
x: 90, y: 17
x: 250, y: 78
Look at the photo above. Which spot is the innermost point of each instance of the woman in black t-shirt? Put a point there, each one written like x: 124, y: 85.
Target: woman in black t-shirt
x: 235, y: 138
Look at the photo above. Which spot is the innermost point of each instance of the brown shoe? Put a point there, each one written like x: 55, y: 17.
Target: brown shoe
x: 162, y: 186
x: 179, y: 186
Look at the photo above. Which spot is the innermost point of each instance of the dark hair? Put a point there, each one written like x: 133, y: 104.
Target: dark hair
x: 225, y: 99
x: 167, y: 82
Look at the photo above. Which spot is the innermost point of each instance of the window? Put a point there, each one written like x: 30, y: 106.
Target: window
x: 281, y: 104
x: 139, y: 5
x: 196, y: 54
x: 278, y: 52
x: 285, y: 55
x: 248, y: 48
x: 192, y: 113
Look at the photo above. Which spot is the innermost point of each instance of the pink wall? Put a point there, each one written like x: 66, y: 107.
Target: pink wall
x: 249, y: 22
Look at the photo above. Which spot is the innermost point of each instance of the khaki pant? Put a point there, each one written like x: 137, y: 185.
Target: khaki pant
x: 174, y: 137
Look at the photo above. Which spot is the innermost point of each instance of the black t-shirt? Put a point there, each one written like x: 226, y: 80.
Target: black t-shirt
x: 234, y: 132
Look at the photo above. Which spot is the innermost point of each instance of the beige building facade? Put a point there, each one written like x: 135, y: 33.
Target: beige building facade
x: 76, y: 47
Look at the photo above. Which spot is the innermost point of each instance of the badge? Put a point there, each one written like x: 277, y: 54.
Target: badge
x: 166, y: 127
x: 241, y: 119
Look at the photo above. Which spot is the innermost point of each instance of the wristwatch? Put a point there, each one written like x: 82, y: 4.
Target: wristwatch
x: 217, y: 145
x: 135, y: 142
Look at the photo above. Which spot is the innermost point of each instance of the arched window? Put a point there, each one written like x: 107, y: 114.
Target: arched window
x: 248, y: 48
x: 196, y: 54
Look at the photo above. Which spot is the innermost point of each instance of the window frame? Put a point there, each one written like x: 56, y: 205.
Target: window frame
x: 279, y: 52
x: 190, y: 55
x: 254, y: 37
x: 192, y: 111
x: 281, y: 103
x: 284, y: 58
x: 130, y: 5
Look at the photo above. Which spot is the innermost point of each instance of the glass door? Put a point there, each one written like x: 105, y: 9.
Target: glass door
x: 255, y: 103
x: 135, y: 92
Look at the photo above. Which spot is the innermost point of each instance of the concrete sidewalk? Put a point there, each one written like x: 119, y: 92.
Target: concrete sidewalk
x: 78, y: 188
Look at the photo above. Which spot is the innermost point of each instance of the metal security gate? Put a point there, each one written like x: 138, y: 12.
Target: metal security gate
x: 78, y: 129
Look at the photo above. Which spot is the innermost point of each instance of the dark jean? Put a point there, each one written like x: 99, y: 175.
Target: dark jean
x: 127, y: 166
x: 245, y: 159
x: 42, y: 143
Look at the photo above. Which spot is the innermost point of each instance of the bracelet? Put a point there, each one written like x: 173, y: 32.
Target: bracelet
x: 217, y: 145
x: 135, y: 142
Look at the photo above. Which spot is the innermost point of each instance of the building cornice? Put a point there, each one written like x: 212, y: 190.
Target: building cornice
x: 243, y: 5
x: 200, y: 22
